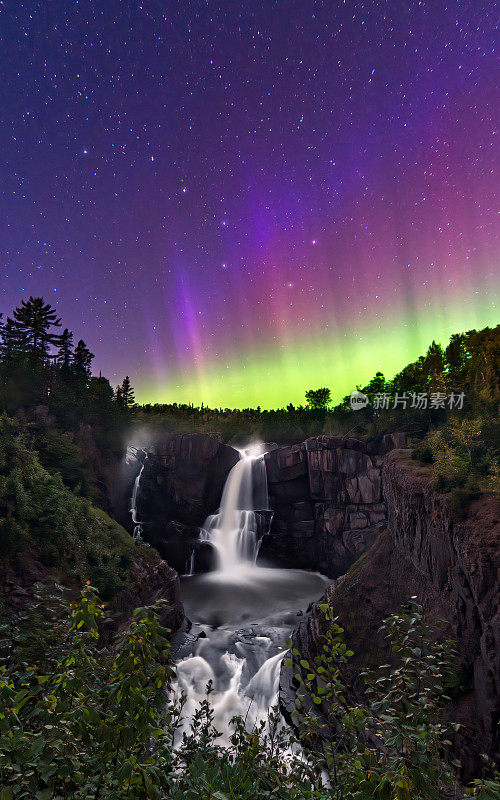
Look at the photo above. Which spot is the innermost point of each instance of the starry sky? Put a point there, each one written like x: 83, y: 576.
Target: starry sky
x: 233, y: 201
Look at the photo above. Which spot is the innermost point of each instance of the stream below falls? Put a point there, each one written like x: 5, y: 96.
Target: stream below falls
x: 241, y: 613
x: 238, y: 639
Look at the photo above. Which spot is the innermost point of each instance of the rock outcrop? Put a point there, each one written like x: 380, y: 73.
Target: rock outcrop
x: 452, y: 568
x: 148, y: 583
x: 181, y: 484
x: 150, y: 579
x: 326, y: 494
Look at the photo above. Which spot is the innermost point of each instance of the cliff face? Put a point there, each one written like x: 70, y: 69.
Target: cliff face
x: 458, y: 563
x: 148, y: 583
x: 181, y: 484
x: 326, y: 495
x: 452, y: 567
x: 338, y: 501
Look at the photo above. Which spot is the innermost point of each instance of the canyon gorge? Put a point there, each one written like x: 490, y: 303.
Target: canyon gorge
x: 365, y: 515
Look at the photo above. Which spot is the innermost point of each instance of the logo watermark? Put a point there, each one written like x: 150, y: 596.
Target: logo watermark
x: 358, y: 400
x: 417, y: 400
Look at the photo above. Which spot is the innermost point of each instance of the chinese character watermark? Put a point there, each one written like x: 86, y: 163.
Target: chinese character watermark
x: 417, y: 400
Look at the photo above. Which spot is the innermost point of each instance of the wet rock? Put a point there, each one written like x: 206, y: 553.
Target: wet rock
x: 450, y: 566
x: 205, y: 559
x: 173, y: 540
x: 183, y: 478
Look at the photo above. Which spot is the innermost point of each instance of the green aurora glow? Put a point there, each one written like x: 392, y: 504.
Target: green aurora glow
x: 275, y: 376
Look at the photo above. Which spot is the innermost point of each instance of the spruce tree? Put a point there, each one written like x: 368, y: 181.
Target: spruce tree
x: 34, y: 321
x: 13, y: 344
x: 65, y: 350
x: 127, y: 393
x: 82, y: 360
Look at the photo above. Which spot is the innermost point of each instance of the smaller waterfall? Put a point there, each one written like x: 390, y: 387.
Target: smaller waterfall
x: 234, y: 530
x: 133, y: 506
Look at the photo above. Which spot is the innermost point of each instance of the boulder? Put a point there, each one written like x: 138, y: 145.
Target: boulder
x: 204, y: 557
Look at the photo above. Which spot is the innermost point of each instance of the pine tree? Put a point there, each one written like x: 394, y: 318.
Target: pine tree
x: 34, y: 320
x: 127, y: 393
x: 13, y: 345
x: 434, y: 364
x: 65, y: 350
x: 82, y: 360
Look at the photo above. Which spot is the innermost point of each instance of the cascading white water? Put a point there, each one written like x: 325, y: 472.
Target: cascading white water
x: 133, y: 506
x: 233, y: 532
x: 242, y: 614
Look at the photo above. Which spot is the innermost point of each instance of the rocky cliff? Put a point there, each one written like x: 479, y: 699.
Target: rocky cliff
x: 180, y: 485
x: 326, y: 495
x: 452, y: 567
x: 343, y: 506
x: 148, y: 583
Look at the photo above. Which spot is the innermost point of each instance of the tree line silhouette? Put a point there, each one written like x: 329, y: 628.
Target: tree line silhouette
x: 40, y: 364
x: 30, y: 341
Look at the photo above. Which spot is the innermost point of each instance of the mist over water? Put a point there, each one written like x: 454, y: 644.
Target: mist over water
x: 242, y: 613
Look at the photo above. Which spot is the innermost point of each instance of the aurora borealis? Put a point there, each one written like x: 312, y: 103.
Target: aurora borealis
x: 233, y: 202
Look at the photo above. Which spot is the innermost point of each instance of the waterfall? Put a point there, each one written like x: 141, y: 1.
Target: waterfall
x: 241, y: 614
x: 234, y: 530
x: 133, y: 506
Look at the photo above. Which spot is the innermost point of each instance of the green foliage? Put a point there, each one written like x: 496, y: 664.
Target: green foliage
x: 318, y: 398
x: 41, y: 518
x: 395, y: 745
x: 47, y: 384
x: 101, y: 724
x: 87, y: 722
x: 465, y: 458
x: 59, y: 453
x: 88, y: 729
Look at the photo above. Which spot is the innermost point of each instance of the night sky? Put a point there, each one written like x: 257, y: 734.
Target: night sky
x: 233, y: 201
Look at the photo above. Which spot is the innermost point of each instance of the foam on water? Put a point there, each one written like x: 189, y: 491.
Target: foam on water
x: 244, y: 612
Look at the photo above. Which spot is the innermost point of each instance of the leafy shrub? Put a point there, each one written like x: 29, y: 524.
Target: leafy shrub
x: 93, y: 723
x: 396, y: 746
x: 465, y: 459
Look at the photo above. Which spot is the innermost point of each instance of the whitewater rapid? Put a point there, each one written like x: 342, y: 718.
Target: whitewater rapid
x: 242, y: 613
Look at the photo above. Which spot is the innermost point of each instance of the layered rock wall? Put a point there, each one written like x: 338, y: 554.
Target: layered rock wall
x: 452, y: 567
x: 326, y: 494
x: 180, y: 485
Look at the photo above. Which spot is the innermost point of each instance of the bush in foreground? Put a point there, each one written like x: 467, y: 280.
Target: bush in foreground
x: 101, y: 723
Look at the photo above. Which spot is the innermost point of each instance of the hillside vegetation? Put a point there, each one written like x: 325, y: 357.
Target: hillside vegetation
x: 47, y: 529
